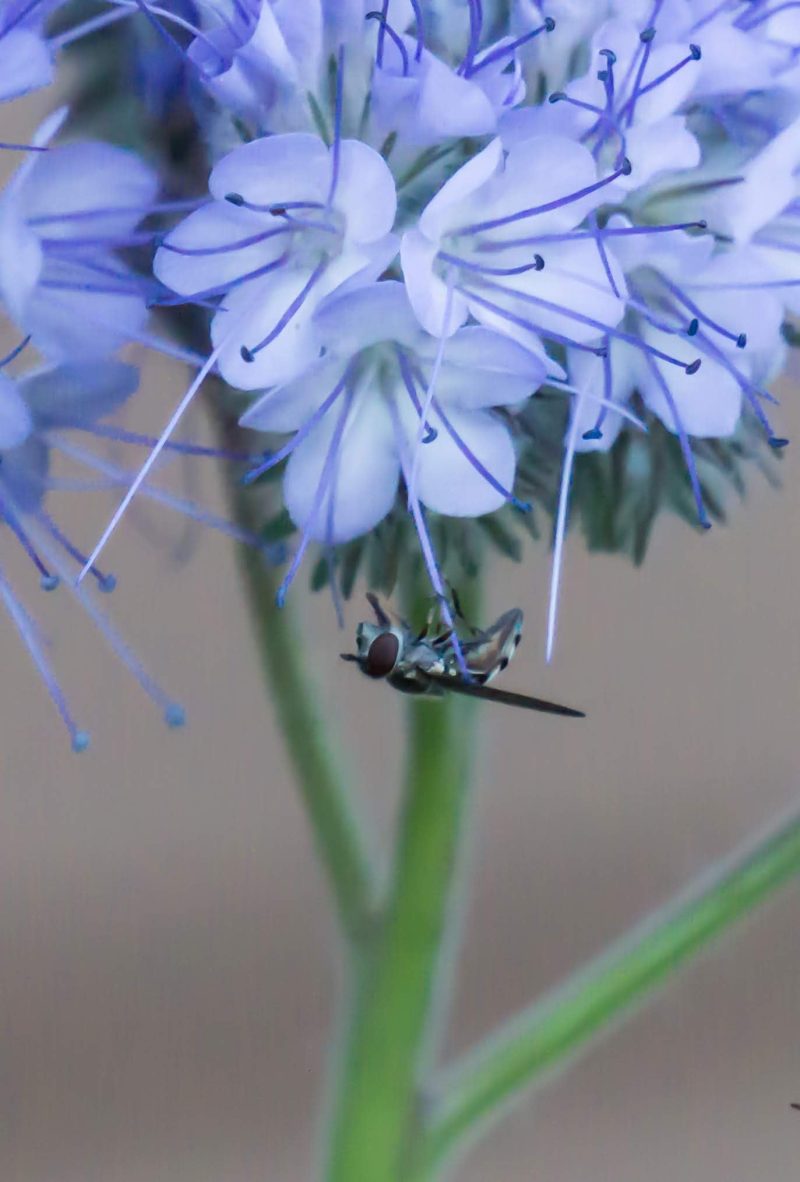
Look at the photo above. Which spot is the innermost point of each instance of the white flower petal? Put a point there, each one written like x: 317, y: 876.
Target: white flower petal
x: 288, y: 407
x: 447, y: 481
x: 426, y: 291
x: 210, y: 227
x: 365, y: 192
x: 366, y: 473
x: 275, y: 170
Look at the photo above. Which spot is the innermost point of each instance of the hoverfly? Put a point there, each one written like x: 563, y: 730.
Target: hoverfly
x: 419, y: 663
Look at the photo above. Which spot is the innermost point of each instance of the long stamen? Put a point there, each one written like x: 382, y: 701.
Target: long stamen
x: 583, y: 235
x: 322, y: 488
x: 503, y: 51
x: 9, y: 515
x: 617, y: 333
x: 105, y: 582
x: 419, y: 20
x: 429, y: 393
x: 30, y: 638
x: 154, y: 454
x: 429, y: 557
x: 530, y: 326
x: 120, y: 435
x: 561, y: 527
x: 751, y: 392
x: 683, y: 439
x: 494, y: 223
x: 408, y: 381
x: 694, y: 55
x: 249, y: 355
x: 397, y: 40
x: 475, y: 28
x: 701, y: 317
x: 298, y: 437
x: 766, y: 14
x: 482, y: 269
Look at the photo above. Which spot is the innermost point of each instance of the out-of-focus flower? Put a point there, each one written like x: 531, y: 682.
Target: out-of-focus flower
x: 26, y: 59
x: 47, y: 412
x: 63, y: 215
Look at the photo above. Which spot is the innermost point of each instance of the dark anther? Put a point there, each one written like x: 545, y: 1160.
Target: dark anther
x: 556, y: 96
x: 696, y: 52
x: 778, y: 441
x: 549, y: 24
x: 234, y: 198
x: 610, y: 55
x: 246, y: 355
x: 626, y: 167
x: 602, y: 75
x: 594, y: 433
x: 278, y: 211
x: 694, y: 325
x: 702, y: 224
x: 538, y: 262
x: 430, y: 435
x: 741, y: 340
x: 693, y: 366
x: 647, y: 35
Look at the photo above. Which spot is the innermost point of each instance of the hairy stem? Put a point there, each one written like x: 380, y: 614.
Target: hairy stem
x: 563, y: 1023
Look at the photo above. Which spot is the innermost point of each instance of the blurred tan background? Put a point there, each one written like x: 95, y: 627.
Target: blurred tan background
x: 168, y: 965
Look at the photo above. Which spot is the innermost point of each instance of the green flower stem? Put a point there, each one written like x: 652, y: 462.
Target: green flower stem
x: 322, y: 783
x: 619, y: 980
x: 391, y: 1030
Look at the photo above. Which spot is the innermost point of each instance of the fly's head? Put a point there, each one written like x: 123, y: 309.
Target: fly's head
x: 379, y: 649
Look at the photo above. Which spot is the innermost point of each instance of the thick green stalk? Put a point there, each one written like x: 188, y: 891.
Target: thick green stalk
x: 562, y: 1024
x: 322, y: 783
x: 391, y: 1031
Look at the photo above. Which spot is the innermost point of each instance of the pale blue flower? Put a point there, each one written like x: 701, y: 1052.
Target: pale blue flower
x: 45, y: 413
x: 625, y: 105
x: 496, y: 243
x: 291, y: 221
x: 62, y: 216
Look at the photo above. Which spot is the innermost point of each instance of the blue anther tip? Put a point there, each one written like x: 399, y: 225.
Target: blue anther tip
x: 556, y: 96
x: 696, y: 52
x: 778, y: 441
x: 246, y: 355
x: 175, y: 716
x: 741, y: 340
x: 81, y: 741
x: 647, y: 34
x: 280, y: 598
x: 549, y: 24
x: 626, y: 167
x: 107, y: 583
x: 693, y: 366
x: 49, y: 582
x: 234, y: 198
x: 594, y: 433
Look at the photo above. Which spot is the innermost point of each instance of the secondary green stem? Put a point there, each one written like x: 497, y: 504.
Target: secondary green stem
x: 321, y: 781
x: 390, y: 1034
x: 563, y: 1023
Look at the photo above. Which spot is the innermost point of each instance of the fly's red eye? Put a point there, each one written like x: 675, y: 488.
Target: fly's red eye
x: 382, y: 655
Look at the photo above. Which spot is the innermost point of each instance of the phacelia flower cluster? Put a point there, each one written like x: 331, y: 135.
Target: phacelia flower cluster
x: 423, y: 235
